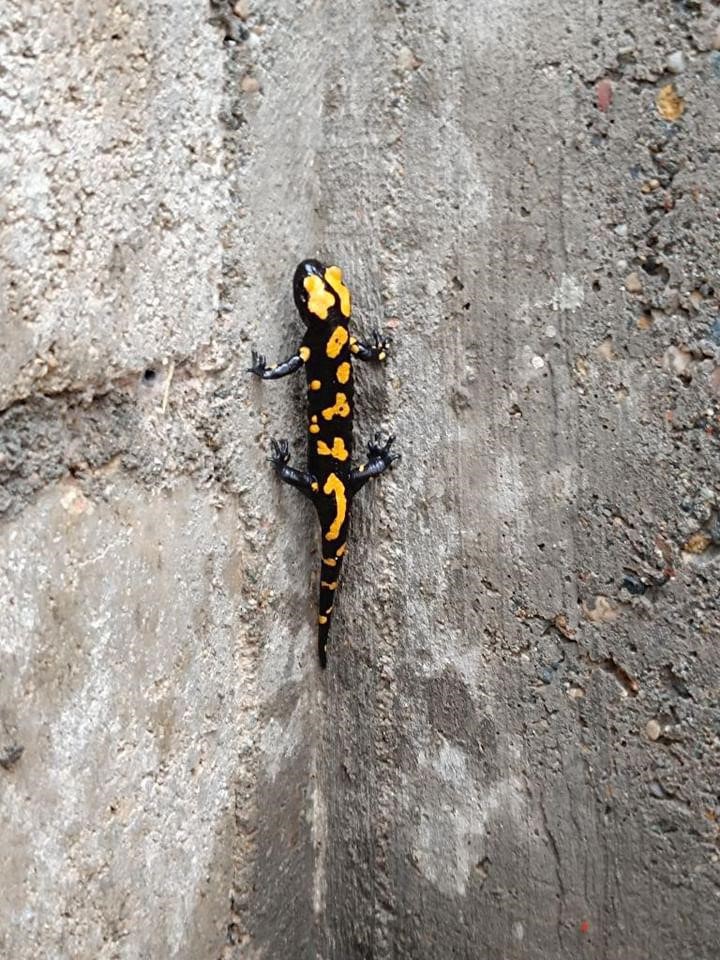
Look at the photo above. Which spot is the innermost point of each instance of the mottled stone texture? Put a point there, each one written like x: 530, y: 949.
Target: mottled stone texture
x: 515, y: 751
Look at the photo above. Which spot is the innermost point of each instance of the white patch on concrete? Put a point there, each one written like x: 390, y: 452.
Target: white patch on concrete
x: 450, y: 839
x: 319, y: 832
x: 568, y: 295
x: 281, y: 740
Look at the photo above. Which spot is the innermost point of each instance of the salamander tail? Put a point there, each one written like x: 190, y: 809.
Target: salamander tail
x: 329, y: 579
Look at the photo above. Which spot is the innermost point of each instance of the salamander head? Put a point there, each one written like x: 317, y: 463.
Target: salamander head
x: 320, y: 294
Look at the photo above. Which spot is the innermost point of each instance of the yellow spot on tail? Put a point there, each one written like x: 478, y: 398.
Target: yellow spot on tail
x: 333, y: 275
x: 304, y: 353
x: 315, y: 384
x: 341, y: 408
x: 329, y: 586
x: 335, y: 487
x: 343, y: 372
x: 338, y: 339
x: 330, y: 561
x: 337, y: 450
x: 341, y: 550
x: 322, y: 619
x: 320, y: 299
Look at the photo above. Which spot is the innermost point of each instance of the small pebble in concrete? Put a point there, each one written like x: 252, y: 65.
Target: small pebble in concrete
x: 676, y: 61
x: 604, y: 93
x: 249, y: 85
x: 670, y: 104
x: 658, y: 791
x: 633, y: 283
x: 652, y: 730
x: 697, y: 542
x: 633, y: 584
x: 406, y: 59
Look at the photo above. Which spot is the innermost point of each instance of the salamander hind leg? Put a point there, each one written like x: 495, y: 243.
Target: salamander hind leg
x: 280, y: 459
x: 380, y: 459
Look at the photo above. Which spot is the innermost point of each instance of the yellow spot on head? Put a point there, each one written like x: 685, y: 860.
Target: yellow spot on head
x: 343, y: 372
x: 338, y: 449
x: 329, y: 586
x: 322, y: 619
x: 320, y: 299
x: 333, y: 275
x: 338, y: 339
x: 304, y: 354
x: 315, y: 384
x: 341, y: 408
x: 335, y: 487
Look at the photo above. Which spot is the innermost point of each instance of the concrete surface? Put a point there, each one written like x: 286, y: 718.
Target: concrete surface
x: 514, y: 751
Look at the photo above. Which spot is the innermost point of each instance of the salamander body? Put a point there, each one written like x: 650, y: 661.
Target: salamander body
x: 327, y: 352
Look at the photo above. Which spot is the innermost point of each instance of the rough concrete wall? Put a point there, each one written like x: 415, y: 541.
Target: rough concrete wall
x: 127, y: 686
x: 514, y: 751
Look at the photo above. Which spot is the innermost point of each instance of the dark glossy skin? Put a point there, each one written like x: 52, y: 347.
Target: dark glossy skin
x: 327, y: 352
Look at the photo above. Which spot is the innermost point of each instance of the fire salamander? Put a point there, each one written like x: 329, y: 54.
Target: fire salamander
x: 330, y: 482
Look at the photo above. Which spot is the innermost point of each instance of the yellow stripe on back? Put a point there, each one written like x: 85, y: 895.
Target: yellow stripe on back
x: 338, y: 339
x: 335, y: 487
x: 333, y: 275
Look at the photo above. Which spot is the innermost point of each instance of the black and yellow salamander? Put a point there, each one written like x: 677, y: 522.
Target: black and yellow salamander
x: 327, y: 352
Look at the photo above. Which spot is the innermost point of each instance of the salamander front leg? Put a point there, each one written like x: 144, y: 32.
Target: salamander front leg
x: 304, y: 482
x: 379, y: 460
x: 377, y: 352
x: 260, y: 368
